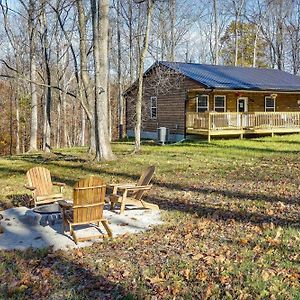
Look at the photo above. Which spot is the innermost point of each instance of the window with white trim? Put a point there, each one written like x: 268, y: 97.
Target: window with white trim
x: 153, y: 107
x: 202, y: 103
x: 220, y: 103
x: 269, y: 104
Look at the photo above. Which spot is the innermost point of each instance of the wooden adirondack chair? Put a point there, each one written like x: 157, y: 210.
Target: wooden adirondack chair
x: 41, y: 185
x: 87, y: 207
x: 136, y: 190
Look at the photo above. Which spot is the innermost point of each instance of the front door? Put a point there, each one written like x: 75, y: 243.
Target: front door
x: 242, y: 104
x: 242, y: 107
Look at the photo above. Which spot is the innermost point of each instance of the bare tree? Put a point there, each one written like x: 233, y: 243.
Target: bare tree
x: 238, y: 6
x: 216, y: 33
x: 32, y: 20
x: 120, y: 96
x: 292, y: 25
x: 48, y: 90
x: 100, y: 23
x: 138, y: 105
x: 14, y: 43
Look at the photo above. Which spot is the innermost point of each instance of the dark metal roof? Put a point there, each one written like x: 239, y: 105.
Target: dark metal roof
x: 237, y: 78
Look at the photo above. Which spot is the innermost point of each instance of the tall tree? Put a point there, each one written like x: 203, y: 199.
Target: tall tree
x: 32, y: 19
x: 48, y: 76
x: 85, y: 84
x: 216, y: 32
x: 120, y: 96
x: 238, y: 6
x: 138, y: 105
x: 14, y: 43
x: 100, y: 26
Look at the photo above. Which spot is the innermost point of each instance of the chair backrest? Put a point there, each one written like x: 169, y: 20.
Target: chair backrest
x: 144, y: 180
x: 40, y: 178
x: 88, y: 200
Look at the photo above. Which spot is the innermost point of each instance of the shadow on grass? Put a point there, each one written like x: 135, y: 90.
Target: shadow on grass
x: 57, y: 277
x: 278, y: 142
x: 169, y: 185
x: 221, y: 213
x: 256, y: 150
x: 230, y: 194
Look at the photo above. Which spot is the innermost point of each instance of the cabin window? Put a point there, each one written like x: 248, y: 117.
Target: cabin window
x: 220, y: 103
x: 153, y: 107
x: 202, y: 103
x: 269, y: 104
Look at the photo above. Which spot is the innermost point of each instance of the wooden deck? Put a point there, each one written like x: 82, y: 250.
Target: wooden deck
x: 241, y: 124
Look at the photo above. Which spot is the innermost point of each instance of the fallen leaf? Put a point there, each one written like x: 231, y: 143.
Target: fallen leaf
x: 197, y: 256
x: 126, y: 273
x: 78, y: 253
x: 244, y: 241
x: 201, y: 276
x: 265, y: 275
x: 186, y: 274
x: 46, y: 272
x: 155, y: 279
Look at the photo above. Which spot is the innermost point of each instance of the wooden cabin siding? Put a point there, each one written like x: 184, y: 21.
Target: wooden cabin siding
x: 256, y: 101
x: 170, y: 106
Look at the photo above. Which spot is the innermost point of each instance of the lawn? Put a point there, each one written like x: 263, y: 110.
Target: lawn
x: 231, y: 211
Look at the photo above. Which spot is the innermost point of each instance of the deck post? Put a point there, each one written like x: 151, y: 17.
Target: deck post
x: 208, y: 133
x: 272, y: 134
x: 241, y: 136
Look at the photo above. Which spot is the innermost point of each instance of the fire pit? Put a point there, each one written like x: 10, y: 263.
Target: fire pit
x: 49, y: 214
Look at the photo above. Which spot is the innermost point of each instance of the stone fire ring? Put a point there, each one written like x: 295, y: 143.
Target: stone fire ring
x: 44, y: 215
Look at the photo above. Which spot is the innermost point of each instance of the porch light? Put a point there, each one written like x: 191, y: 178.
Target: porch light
x: 273, y: 96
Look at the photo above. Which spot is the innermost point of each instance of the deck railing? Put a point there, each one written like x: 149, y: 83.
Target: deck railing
x: 247, y: 121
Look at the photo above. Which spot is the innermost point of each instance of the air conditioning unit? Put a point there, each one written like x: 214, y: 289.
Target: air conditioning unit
x: 162, y: 135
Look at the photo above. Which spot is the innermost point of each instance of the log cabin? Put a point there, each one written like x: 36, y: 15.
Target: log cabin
x: 209, y: 100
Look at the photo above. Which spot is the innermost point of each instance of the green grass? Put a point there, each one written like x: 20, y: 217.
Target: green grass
x: 231, y: 211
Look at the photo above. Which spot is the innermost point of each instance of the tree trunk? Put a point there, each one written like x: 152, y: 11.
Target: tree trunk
x: 216, y: 34
x: 120, y: 97
x: 236, y: 42
x: 138, y: 106
x: 11, y: 125
x: 255, y: 49
x: 100, y: 21
x: 48, y: 98
x: 58, y: 126
x: 33, y: 90
x: 17, y: 116
x: 85, y: 85
x: 131, y: 67
x: 82, y: 134
x: 172, y: 23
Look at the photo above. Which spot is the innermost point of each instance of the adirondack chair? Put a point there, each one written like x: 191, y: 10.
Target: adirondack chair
x: 41, y: 185
x: 87, y: 207
x: 128, y: 193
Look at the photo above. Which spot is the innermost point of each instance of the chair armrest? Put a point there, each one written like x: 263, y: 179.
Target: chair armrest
x: 121, y: 185
x: 58, y: 183
x: 137, y: 188
x: 32, y: 188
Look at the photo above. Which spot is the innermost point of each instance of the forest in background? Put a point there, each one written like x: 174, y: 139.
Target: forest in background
x: 66, y: 63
